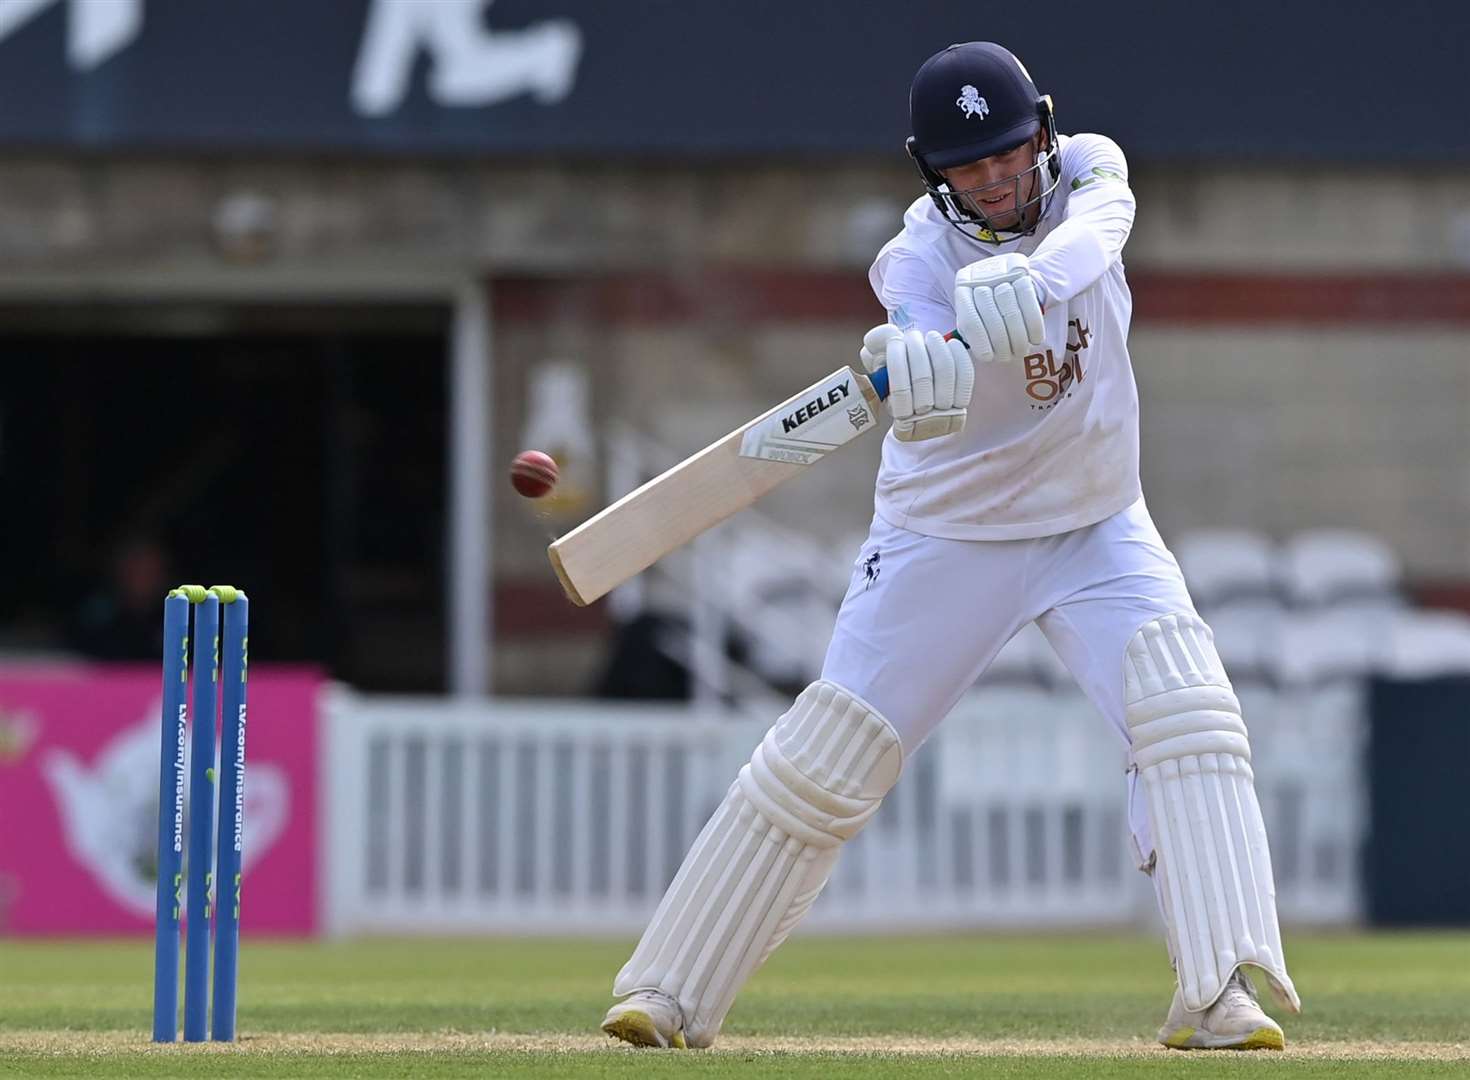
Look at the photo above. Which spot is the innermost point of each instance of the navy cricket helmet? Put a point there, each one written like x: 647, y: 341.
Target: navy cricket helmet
x: 971, y: 101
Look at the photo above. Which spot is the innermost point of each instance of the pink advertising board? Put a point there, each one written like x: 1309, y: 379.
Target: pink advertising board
x: 79, y: 750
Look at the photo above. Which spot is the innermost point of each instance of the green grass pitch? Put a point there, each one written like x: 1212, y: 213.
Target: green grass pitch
x: 1078, y: 1005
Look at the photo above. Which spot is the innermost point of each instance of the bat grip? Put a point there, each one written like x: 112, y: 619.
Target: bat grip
x: 879, y: 379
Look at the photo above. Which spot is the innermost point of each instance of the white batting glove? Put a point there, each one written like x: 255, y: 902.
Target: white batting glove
x: 929, y: 380
x: 997, y: 309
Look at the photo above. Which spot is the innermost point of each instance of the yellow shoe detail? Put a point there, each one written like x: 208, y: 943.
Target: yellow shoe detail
x: 1264, y: 1039
x: 637, y: 1029
x: 1188, y: 1038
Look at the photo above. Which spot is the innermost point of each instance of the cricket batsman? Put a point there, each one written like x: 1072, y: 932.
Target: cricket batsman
x: 1028, y: 510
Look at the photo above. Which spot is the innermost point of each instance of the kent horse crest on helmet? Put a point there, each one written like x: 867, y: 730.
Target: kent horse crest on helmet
x: 996, y: 88
x: 971, y: 103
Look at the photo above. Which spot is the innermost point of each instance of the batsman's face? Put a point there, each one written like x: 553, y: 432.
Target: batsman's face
x: 994, y: 185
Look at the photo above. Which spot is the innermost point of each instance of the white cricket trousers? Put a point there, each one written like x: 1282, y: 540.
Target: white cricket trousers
x: 924, y: 617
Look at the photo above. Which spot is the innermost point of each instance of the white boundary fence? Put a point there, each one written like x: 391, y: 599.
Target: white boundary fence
x: 571, y: 817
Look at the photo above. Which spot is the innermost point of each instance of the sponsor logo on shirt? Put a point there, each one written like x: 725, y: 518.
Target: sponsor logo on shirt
x: 1050, y: 379
x: 1098, y: 173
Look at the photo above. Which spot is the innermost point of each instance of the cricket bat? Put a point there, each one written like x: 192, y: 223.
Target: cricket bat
x: 725, y: 477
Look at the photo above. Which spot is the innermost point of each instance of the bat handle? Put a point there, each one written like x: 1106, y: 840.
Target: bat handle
x: 879, y: 378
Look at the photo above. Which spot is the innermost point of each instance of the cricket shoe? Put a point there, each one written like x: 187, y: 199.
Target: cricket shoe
x: 647, y: 1018
x: 1234, y: 1022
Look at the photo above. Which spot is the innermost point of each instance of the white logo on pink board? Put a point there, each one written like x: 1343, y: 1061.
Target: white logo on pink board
x: 108, y: 810
x: 79, y: 750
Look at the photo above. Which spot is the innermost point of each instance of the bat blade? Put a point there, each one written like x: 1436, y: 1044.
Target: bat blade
x: 722, y: 479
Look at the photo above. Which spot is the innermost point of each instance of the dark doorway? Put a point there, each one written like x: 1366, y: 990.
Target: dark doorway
x: 298, y: 452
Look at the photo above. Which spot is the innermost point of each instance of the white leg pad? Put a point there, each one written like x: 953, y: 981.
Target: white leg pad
x: 1213, y: 861
x: 756, y: 868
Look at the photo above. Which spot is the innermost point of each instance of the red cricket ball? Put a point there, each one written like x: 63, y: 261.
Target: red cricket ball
x: 533, y: 473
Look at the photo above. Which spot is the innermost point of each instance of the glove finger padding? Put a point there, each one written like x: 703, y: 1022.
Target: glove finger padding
x: 1032, y: 312
x: 874, y: 353
x: 964, y: 374
x: 941, y: 360
x: 967, y: 321
x: 999, y: 295
x: 900, y: 393
x: 930, y: 380
x: 921, y: 372
x: 992, y: 323
x: 1010, y: 314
